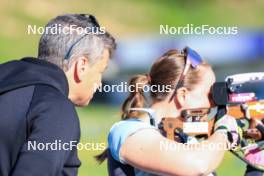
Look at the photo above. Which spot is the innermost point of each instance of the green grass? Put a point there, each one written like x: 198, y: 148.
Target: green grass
x: 95, y: 124
x: 96, y: 121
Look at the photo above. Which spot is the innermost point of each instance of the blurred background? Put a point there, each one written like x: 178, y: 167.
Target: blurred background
x: 135, y: 25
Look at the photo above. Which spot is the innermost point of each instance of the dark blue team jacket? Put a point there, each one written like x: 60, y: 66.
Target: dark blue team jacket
x: 35, y: 109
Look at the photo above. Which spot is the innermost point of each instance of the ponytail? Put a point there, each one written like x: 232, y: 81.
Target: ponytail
x: 136, y: 99
x: 102, y: 156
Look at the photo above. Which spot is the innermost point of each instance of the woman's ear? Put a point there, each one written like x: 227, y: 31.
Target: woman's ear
x: 80, y: 69
x: 181, y: 97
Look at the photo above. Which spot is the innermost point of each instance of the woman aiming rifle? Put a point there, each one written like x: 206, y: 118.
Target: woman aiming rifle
x: 134, y: 144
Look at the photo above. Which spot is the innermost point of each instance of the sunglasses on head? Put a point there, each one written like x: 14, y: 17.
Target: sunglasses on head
x: 91, y: 20
x: 192, y: 59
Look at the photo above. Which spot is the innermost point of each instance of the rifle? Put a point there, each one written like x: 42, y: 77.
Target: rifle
x: 240, y: 96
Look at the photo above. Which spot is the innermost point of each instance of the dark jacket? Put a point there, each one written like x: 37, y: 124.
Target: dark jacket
x: 35, y: 114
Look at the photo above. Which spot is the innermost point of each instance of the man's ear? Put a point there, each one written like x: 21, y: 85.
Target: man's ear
x: 181, y: 97
x: 80, y: 67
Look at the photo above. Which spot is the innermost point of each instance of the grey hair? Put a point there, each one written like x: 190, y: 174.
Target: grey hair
x: 53, y: 47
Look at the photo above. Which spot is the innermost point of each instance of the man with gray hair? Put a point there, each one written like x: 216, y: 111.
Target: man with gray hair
x: 39, y: 129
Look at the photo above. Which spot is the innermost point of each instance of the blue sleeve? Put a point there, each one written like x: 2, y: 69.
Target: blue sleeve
x: 119, y: 133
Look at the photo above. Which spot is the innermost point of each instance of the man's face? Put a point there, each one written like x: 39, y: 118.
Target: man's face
x: 85, y: 77
x: 93, y: 78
